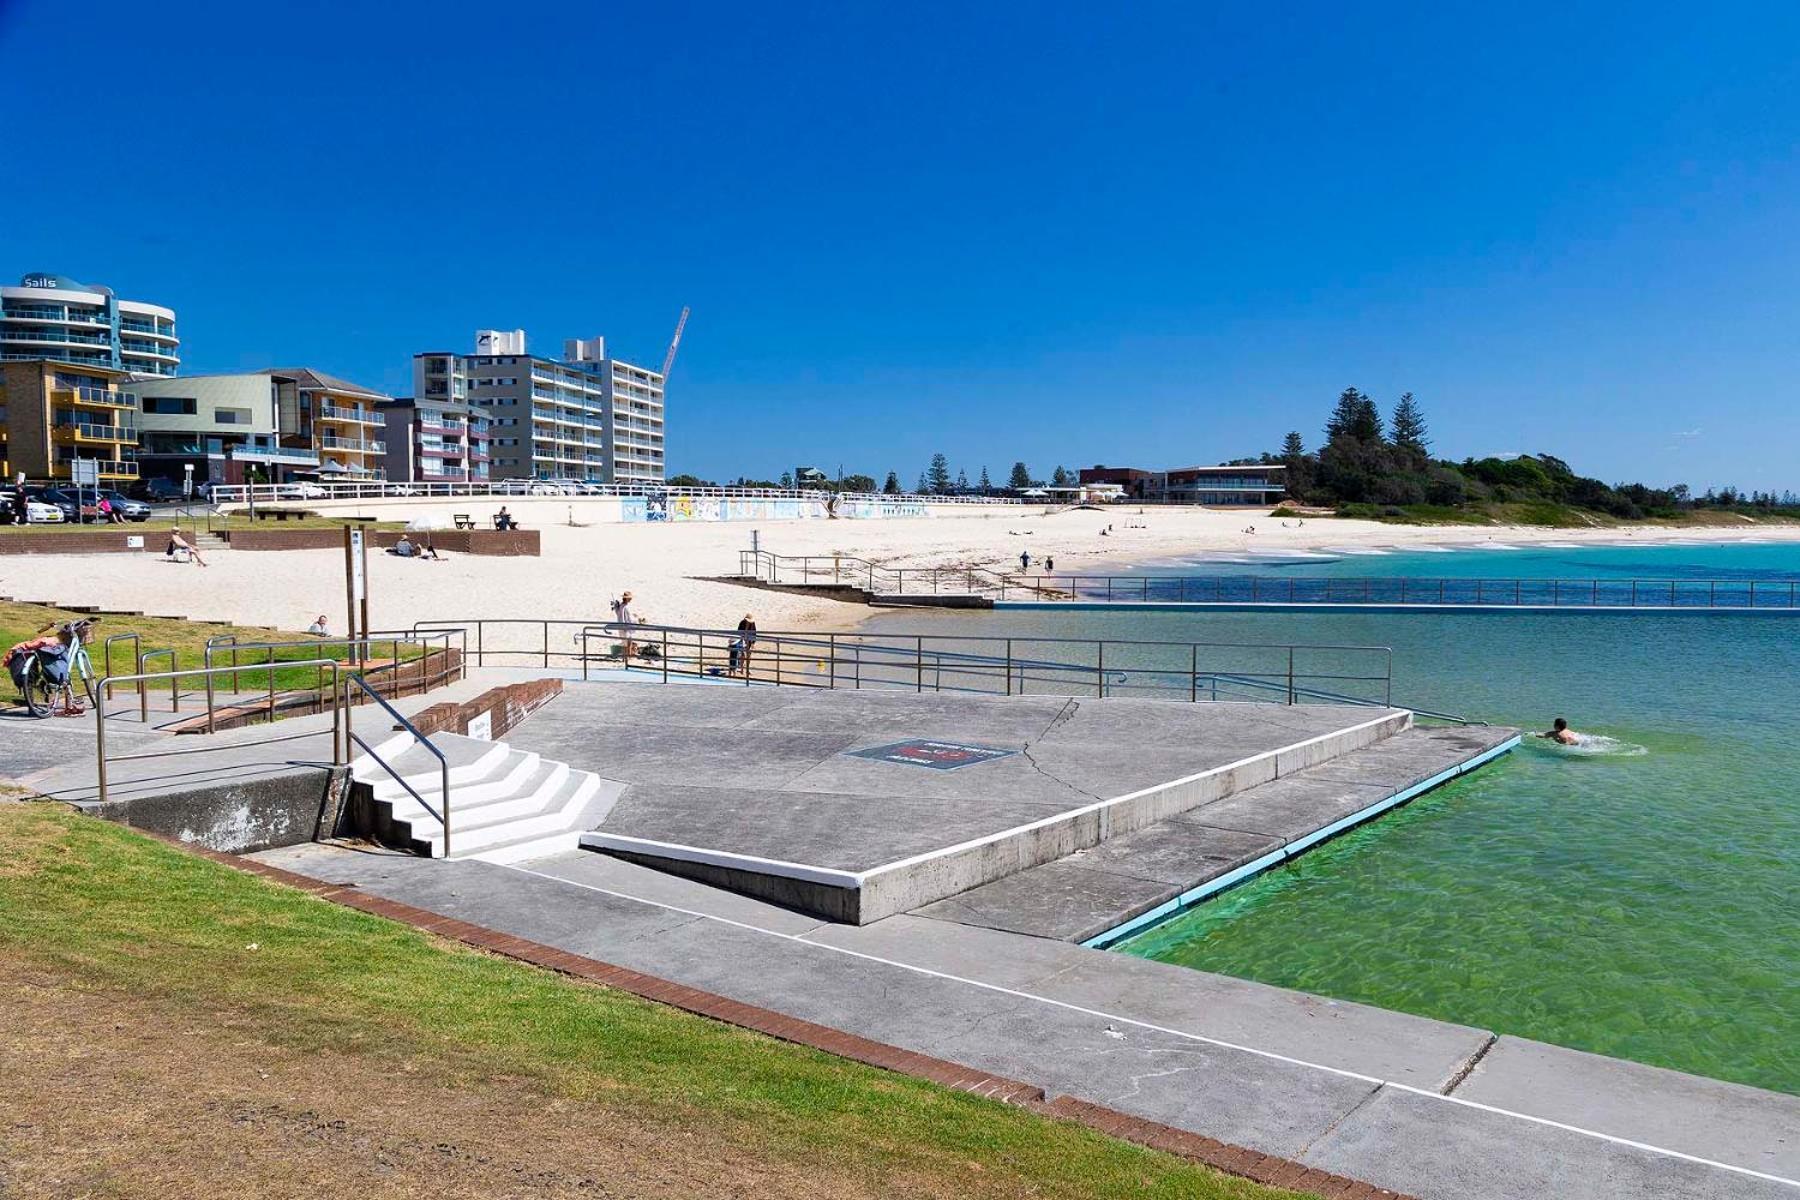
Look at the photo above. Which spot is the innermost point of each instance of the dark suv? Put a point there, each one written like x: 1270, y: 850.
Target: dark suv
x: 158, y: 490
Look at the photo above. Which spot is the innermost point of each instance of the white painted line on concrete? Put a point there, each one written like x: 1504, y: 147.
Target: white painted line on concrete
x: 1101, y: 1014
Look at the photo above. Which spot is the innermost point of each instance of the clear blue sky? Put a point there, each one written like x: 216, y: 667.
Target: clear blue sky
x: 1146, y: 234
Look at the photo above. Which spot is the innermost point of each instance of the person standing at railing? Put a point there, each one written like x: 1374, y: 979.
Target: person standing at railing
x: 623, y: 615
x: 741, y: 645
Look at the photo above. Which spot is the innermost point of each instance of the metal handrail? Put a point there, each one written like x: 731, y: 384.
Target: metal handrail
x: 350, y: 737
x: 142, y: 677
x: 270, y: 665
x: 174, y: 669
x: 683, y: 650
x: 137, y: 649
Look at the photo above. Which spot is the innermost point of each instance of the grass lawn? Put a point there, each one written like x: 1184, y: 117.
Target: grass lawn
x: 243, y: 1007
x: 187, y: 638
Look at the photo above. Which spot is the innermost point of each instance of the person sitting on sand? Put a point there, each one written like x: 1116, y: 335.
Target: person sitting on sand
x: 178, y: 546
x: 403, y: 548
x: 1560, y: 733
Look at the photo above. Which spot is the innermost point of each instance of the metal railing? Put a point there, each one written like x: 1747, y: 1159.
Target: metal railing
x: 357, y: 652
x: 174, y: 676
x: 1190, y: 671
x: 351, y: 738
x: 841, y: 570
x: 240, y: 493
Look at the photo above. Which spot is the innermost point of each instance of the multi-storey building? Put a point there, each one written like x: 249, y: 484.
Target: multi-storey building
x: 55, y: 412
x: 437, y: 440
x: 53, y: 317
x: 227, y: 428
x: 1241, y: 484
x: 587, y: 417
x: 337, y: 419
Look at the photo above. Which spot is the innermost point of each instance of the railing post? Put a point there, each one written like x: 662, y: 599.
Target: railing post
x: 778, y: 645
x: 1290, y: 693
x: 546, y: 663
x: 665, y: 654
x: 1100, y: 669
x: 1009, y: 666
x: 1193, y: 673
x: 918, y: 663
x: 1712, y: 593
x: 831, y: 649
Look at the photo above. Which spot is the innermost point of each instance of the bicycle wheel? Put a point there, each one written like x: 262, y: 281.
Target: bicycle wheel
x: 36, y: 691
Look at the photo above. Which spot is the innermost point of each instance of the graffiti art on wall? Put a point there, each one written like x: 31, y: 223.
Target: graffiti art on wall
x: 681, y: 506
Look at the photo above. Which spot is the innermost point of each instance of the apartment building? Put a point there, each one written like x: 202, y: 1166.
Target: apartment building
x: 226, y: 428
x: 587, y: 416
x: 52, y: 413
x: 54, y: 317
x: 339, y: 420
x: 437, y: 440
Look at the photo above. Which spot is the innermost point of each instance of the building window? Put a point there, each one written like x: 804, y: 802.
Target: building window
x: 172, y: 406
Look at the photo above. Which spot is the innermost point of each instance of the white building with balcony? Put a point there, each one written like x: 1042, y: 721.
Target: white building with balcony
x: 587, y: 417
x: 54, y: 317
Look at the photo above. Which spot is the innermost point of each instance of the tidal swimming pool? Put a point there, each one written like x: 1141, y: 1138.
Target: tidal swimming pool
x: 1642, y: 902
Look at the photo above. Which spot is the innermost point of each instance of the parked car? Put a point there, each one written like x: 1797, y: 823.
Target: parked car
x: 303, y: 489
x: 61, y: 500
x: 158, y: 490
x: 38, y: 512
x: 131, y: 510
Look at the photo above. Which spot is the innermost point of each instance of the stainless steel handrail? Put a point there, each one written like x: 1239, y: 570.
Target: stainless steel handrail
x: 443, y: 763
x: 270, y: 664
x: 142, y: 677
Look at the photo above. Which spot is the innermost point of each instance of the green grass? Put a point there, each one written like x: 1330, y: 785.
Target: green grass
x: 101, y: 906
x: 188, y: 639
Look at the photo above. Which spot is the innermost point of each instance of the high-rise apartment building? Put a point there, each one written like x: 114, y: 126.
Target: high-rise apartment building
x: 437, y: 440
x: 54, y: 317
x: 587, y: 417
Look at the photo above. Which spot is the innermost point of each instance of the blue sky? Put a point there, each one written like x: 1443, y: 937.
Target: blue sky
x: 1159, y: 235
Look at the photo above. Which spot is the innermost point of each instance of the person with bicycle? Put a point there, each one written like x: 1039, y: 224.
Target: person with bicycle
x: 44, y: 667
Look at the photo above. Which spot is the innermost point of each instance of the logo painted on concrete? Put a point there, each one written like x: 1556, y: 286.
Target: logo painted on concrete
x: 939, y: 756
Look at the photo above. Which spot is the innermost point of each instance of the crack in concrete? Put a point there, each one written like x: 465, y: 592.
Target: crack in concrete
x: 1469, y: 1064
x: 1025, y: 750
x: 1300, y: 1154
x: 1063, y: 716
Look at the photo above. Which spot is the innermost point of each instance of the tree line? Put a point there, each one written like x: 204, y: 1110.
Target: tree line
x: 1369, y: 460
x: 934, y: 480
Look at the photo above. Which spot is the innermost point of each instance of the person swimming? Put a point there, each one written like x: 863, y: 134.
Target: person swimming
x: 1560, y: 733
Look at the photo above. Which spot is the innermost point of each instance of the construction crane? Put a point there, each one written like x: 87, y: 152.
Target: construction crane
x: 674, y: 344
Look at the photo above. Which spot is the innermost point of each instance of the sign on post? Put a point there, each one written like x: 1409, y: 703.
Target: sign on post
x: 85, y: 472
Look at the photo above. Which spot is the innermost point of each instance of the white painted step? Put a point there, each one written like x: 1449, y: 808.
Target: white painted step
x: 469, y: 759
x: 516, y: 772
x: 529, y: 799
x: 559, y: 816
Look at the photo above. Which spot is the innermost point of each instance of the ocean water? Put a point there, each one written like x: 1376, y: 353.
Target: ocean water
x: 1637, y: 896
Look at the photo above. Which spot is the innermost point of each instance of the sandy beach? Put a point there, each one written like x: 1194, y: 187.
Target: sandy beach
x: 673, y: 568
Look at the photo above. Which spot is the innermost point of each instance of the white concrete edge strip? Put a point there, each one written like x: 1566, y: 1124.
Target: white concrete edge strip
x: 1101, y: 1014
x: 1293, y: 849
x: 1389, y: 715
x: 722, y: 858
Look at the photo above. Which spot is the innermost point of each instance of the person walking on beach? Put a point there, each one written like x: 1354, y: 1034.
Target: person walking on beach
x: 622, y: 614
x: 1049, y: 563
x: 1024, y: 561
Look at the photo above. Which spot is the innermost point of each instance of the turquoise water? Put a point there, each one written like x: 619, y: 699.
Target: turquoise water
x: 1642, y: 901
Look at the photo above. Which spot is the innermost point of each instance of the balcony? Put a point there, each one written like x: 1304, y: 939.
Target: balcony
x: 91, y: 432
x: 355, y: 445
x: 94, y: 397
x: 109, y: 469
x: 354, y: 416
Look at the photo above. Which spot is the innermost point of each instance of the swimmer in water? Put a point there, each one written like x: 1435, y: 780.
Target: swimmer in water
x: 1560, y: 733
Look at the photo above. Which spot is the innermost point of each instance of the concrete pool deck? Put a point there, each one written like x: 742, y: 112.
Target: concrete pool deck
x: 1424, y: 1107
x: 859, y: 805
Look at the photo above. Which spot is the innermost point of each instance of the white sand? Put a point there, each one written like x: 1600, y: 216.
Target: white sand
x: 666, y: 564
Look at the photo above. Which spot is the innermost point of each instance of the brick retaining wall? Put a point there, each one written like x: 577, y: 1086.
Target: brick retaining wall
x: 508, y: 704
x: 510, y: 543
x: 102, y: 542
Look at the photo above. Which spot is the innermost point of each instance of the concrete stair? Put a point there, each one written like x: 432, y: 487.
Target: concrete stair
x: 506, y: 805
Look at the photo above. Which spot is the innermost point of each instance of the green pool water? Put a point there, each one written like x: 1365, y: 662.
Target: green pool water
x: 1643, y: 903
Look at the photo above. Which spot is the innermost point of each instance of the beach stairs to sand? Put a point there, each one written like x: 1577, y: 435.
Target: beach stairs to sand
x: 506, y: 805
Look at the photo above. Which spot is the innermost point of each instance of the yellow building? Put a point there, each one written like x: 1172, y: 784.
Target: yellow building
x: 55, y: 412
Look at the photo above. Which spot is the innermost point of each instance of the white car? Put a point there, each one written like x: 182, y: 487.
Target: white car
x: 398, y: 489
x: 542, y: 488
x: 39, y: 513
x: 303, y: 490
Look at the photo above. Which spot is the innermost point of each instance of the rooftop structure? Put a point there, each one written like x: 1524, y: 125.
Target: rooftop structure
x: 54, y: 317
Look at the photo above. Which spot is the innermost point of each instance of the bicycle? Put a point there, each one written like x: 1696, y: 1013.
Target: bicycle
x: 39, y: 688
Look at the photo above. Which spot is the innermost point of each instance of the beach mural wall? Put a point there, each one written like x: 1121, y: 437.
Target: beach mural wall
x: 680, y: 506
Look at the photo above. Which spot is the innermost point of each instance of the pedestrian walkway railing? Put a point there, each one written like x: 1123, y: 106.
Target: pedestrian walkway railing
x: 174, y: 677
x: 415, y: 662
x: 352, y: 738
x: 788, y: 570
x: 1282, y: 673
x: 539, y: 488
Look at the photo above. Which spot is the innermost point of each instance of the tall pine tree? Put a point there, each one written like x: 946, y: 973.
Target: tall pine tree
x: 1021, y: 477
x: 1345, y: 415
x: 1292, y: 447
x: 985, y: 485
x: 1408, y: 426
x: 892, y: 486
x: 937, y: 476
